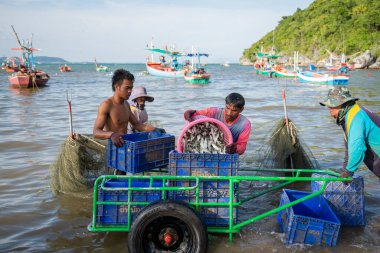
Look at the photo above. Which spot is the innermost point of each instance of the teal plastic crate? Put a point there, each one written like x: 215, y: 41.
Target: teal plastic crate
x: 111, y: 214
x: 346, y: 200
x: 193, y: 164
x: 140, y: 152
x: 309, y: 222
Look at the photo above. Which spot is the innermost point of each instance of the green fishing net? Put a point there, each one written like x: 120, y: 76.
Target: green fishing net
x: 80, y: 161
x: 284, y: 148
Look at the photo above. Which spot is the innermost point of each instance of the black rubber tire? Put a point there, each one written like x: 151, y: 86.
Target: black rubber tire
x: 167, y: 215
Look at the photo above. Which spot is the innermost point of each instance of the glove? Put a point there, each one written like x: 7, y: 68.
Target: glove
x: 345, y: 174
x: 231, y: 149
x: 117, y: 139
x: 189, y: 114
x: 159, y: 130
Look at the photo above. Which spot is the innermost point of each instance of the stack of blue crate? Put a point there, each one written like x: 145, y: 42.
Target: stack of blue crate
x: 193, y: 164
x: 346, y: 200
x: 140, y: 152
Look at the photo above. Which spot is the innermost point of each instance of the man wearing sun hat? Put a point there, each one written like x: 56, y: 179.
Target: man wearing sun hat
x: 138, y: 98
x: 361, y: 129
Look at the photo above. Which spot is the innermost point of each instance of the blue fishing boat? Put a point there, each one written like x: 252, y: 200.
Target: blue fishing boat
x: 323, y: 78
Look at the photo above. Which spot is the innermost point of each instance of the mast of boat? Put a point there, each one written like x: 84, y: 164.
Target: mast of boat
x: 343, y: 58
x: 273, y: 43
x: 192, y: 58
x: 295, y: 64
x: 26, y: 50
x: 30, y: 45
x: 331, y: 57
x: 151, y: 46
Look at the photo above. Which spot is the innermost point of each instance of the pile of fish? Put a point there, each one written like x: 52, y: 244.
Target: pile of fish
x: 204, y: 137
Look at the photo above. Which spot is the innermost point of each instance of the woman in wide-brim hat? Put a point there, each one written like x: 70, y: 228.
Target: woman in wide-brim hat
x: 138, y: 98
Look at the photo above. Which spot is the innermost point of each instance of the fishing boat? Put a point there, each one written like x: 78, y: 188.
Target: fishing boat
x: 101, y: 68
x: 165, y: 67
x: 264, y: 62
x: 279, y: 71
x: 65, y: 68
x: 29, y: 80
x: 157, y: 69
x: 196, y: 74
x: 10, y: 65
x: 28, y: 76
x: 225, y: 64
x: 339, y: 66
x: 323, y: 78
x: 337, y: 63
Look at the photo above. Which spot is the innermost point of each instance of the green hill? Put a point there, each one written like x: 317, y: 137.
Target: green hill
x: 340, y: 26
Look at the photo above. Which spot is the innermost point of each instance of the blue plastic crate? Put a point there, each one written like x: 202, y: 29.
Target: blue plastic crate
x: 192, y: 164
x: 140, y: 152
x: 110, y: 214
x: 310, y: 222
x: 346, y: 200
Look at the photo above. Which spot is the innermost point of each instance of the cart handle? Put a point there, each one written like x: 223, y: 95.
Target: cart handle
x: 150, y: 187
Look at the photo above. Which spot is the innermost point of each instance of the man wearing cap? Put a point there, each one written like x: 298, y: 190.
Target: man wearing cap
x: 138, y: 98
x: 231, y: 116
x: 114, y: 113
x: 361, y: 129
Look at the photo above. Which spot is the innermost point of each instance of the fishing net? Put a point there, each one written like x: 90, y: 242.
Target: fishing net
x: 281, y: 148
x: 277, y: 148
x: 80, y: 161
x: 284, y: 148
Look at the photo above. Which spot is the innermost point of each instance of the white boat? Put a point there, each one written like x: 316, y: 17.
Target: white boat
x: 226, y: 64
x: 165, y: 67
x: 157, y: 69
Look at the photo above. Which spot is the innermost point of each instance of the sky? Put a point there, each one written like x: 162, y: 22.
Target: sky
x: 118, y: 31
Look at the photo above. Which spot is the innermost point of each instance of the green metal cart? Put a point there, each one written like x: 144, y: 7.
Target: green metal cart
x: 152, y: 208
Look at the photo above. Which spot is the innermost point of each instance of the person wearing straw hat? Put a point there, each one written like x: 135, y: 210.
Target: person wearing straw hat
x: 138, y: 98
x: 114, y: 113
x: 361, y: 130
x: 231, y: 116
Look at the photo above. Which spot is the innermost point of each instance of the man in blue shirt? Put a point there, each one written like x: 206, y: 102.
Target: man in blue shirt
x: 361, y: 129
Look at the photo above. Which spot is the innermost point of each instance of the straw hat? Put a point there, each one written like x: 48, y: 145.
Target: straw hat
x: 140, y: 92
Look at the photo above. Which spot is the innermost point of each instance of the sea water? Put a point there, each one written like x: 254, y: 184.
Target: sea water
x: 34, y: 123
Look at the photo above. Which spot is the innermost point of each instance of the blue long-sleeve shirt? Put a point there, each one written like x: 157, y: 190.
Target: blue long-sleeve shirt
x: 362, y: 130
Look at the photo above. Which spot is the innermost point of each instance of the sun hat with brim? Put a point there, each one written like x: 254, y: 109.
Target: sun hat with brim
x: 140, y: 92
x: 338, y: 96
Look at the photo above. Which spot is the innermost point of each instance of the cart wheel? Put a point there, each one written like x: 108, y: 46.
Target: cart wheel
x: 169, y: 226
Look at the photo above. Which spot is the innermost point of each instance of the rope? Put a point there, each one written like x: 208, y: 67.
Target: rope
x: 93, y: 141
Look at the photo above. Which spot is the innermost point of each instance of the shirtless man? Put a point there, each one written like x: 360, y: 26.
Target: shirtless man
x: 114, y: 113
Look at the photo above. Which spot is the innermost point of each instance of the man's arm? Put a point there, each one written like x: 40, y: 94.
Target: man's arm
x: 356, y: 144
x: 100, y: 122
x: 208, y: 112
x: 241, y: 143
